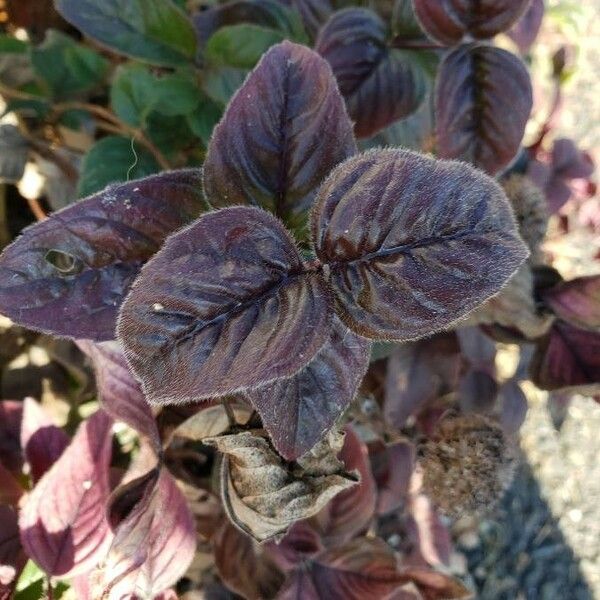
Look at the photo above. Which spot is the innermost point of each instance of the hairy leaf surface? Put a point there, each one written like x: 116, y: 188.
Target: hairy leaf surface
x: 403, y: 234
x: 380, y: 84
x: 225, y: 305
x: 283, y: 132
x: 62, y: 522
x: 298, y: 411
x: 69, y: 274
x: 483, y: 99
x: 447, y: 21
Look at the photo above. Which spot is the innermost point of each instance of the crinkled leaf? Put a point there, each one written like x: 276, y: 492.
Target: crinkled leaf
x: 42, y: 441
x: 62, y: 522
x: 113, y: 159
x: 119, y: 392
x: 351, y: 511
x: 12, y: 557
x: 225, y: 305
x: 526, y: 29
x: 447, y: 21
x: 157, y: 31
x: 568, y: 357
x: 380, y: 84
x: 418, y: 373
x: 68, y: 274
x: 363, y: 569
x: 14, y: 151
x: 298, y: 411
x: 244, y: 566
x: 264, y: 497
x: 240, y: 45
x: 136, y: 91
x: 65, y: 66
x: 153, y: 546
x: 483, y: 100
x: 11, y: 416
x: 283, y: 132
x: 403, y: 234
x: 576, y: 301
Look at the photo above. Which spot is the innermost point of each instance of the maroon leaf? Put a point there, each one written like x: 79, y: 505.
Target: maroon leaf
x: 447, y: 21
x: 224, y: 305
x: 69, y: 274
x: 11, y: 415
x: 297, y: 412
x: 576, y: 301
x: 403, y: 234
x: 42, y: 441
x: 351, y: 511
x: 433, y: 585
x: 244, y: 566
x: 153, y: 546
x: 119, y: 392
x: 392, y: 468
x: 62, y: 522
x: 483, y: 100
x: 569, y: 162
x: 568, y: 357
x: 10, y: 488
x: 363, y: 569
x: 12, y: 557
x: 300, y: 543
x: 283, y: 132
x: 526, y: 29
x: 418, y: 373
x: 380, y: 84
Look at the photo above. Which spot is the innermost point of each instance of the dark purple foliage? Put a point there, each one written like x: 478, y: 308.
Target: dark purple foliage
x: 526, y: 29
x: 69, y: 274
x: 576, y: 301
x: 483, y: 98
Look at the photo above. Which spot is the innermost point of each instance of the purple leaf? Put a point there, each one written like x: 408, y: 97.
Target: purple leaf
x: 297, y: 412
x: 363, y: 569
x: 447, y: 21
x: 403, y: 234
x: 69, y: 274
x: 477, y: 391
x: 62, y: 522
x: 313, y: 12
x: 12, y: 557
x: 477, y: 348
x: 350, y: 511
x: 225, y: 305
x: 380, y: 84
x: 569, y: 162
x: 243, y: 566
x: 11, y: 415
x: 300, y: 543
x: 526, y: 29
x: 576, y: 301
x: 483, y: 101
x: 418, y: 373
x: 283, y: 132
x: 119, y: 392
x: 42, y: 441
x: 513, y: 406
x: 153, y: 546
x: 568, y: 357
x: 392, y: 468
x: 10, y: 488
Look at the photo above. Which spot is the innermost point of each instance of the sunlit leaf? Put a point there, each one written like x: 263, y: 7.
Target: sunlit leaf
x: 403, y: 234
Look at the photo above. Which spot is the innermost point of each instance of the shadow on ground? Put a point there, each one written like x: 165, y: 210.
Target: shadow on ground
x: 522, y: 554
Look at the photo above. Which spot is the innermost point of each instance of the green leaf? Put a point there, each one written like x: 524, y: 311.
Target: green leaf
x: 114, y: 159
x: 30, y: 574
x: 203, y: 120
x: 156, y: 31
x: 66, y: 66
x: 170, y: 134
x: 240, y: 45
x: 219, y: 84
x: 136, y: 92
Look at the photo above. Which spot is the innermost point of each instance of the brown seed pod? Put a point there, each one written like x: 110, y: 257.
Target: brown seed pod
x: 531, y: 211
x: 467, y: 466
